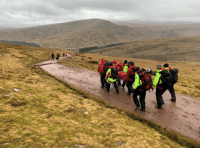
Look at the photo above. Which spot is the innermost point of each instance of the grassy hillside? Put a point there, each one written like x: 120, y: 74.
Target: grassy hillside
x: 189, y: 73
x: 169, y: 49
x: 94, y: 32
x: 48, y: 113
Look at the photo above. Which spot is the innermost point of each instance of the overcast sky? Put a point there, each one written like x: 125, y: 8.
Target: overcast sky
x: 24, y: 13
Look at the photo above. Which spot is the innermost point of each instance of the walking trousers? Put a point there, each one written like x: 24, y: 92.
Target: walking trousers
x: 115, y: 85
x: 160, y: 92
x: 142, y: 95
x: 129, y: 85
x: 102, y: 79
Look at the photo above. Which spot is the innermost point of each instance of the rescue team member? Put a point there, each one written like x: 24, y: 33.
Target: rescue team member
x: 130, y: 77
x: 115, y: 63
x: 111, y: 78
x: 101, y: 69
x: 160, y: 89
x: 125, y: 69
x: 138, y: 91
x: 171, y: 88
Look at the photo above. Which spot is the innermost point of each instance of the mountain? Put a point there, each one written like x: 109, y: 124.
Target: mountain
x: 93, y: 32
x: 168, y: 49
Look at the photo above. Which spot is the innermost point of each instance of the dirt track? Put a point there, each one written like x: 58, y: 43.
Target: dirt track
x: 182, y: 116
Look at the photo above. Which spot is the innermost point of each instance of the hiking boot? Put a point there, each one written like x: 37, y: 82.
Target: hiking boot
x: 102, y: 86
x: 129, y: 93
x: 172, y: 100
x: 143, y: 110
x: 117, y: 92
x: 158, y: 107
x: 107, y: 90
x: 137, y: 108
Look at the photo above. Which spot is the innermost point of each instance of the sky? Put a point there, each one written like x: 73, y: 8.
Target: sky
x: 26, y: 13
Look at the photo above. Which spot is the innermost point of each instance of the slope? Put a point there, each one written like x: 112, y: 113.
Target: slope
x: 168, y: 49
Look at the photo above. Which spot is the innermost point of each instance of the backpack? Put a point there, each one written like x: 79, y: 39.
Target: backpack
x: 101, y: 68
x: 166, y: 78
x: 174, y: 74
x: 120, y: 67
x: 146, y: 78
x: 122, y: 75
x: 114, y: 73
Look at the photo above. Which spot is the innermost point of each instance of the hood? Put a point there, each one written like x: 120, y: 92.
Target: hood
x: 103, y: 61
x: 133, y: 66
x: 111, y: 67
x: 115, y: 61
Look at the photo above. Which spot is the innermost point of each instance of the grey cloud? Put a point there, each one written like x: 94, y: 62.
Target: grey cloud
x: 22, y: 13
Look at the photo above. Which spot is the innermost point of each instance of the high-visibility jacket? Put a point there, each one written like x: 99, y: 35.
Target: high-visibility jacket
x: 125, y: 69
x: 157, y: 79
x: 108, y: 74
x: 137, y: 82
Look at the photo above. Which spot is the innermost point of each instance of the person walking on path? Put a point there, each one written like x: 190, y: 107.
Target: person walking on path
x: 52, y: 56
x: 111, y: 77
x: 101, y: 69
x: 160, y: 87
x: 130, y: 77
x: 125, y: 69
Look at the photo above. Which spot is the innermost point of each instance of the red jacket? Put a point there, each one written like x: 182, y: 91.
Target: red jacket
x: 130, y: 73
x: 167, y: 67
x: 115, y: 63
x: 109, y: 72
x: 101, y: 67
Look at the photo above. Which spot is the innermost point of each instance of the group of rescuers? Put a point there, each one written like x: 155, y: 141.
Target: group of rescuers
x: 113, y: 72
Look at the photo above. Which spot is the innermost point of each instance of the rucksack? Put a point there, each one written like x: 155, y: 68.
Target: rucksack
x: 122, y: 75
x: 114, y: 73
x: 146, y: 79
x: 120, y: 67
x: 101, y: 68
x: 166, y: 78
x: 174, y: 74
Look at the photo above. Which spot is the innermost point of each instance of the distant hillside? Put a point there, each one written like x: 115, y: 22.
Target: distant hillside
x: 20, y: 43
x: 89, y: 33
x: 169, y: 49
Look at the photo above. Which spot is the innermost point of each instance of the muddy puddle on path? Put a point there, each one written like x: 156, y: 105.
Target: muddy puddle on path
x: 182, y: 116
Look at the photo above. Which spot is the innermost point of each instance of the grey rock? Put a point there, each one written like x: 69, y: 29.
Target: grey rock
x: 77, y: 146
x: 119, y: 143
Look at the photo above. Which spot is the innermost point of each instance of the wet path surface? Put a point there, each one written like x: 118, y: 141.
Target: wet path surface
x: 182, y: 116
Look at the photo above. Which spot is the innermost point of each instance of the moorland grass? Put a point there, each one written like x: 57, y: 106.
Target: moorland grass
x: 49, y: 113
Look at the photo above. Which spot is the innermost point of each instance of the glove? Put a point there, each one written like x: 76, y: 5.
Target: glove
x: 152, y: 88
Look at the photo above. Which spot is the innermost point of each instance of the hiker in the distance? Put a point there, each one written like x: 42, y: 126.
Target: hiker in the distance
x: 58, y: 55
x: 101, y: 69
x: 52, y: 56
x: 66, y: 54
x: 63, y: 54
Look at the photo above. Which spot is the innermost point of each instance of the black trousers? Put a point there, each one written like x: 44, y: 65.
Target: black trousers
x: 115, y: 85
x: 129, y: 85
x: 142, y: 95
x: 124, y: 82
x: 118, y: 81
x: 160, y: 92
x: 102, y: 80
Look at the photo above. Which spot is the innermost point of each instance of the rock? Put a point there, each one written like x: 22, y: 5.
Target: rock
x: 77, y: 146
x: 6, y: 95
x: 83, y: 110
x: 119, y: 143
x: 5, y: 144
x: 17, y: 89
x: 86, y: 113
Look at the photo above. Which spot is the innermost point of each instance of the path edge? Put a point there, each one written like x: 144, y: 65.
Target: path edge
x: 178, y: 138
